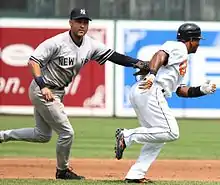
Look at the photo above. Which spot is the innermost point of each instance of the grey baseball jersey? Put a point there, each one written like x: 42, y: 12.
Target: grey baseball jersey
x: 61, y: 59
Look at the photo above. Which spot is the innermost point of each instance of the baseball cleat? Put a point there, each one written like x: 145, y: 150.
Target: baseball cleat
x: 144, y: 180
x: 119, y: 144
x: 68, y: 174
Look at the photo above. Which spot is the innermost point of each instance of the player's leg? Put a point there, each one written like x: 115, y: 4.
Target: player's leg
x: 53, y: 113
x: 148, y: 154
x: 40, y: 133
x: 158, y: 125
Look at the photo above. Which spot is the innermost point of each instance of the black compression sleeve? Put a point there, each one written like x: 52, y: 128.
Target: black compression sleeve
x: 195, y: 92
x: 123, y: 60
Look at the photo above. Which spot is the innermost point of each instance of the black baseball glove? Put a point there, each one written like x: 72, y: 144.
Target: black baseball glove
x: 143, y: 66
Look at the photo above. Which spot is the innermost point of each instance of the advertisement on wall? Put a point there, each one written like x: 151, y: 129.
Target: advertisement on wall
x: 89, y: 94
x: 141, y: 39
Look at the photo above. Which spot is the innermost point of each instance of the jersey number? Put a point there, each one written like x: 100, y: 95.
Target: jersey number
x: 182, y: 67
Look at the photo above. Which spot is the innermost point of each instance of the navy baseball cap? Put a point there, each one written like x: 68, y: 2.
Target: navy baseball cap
x: 79, y: 13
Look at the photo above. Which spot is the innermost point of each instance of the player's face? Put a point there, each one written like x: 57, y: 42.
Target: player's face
x: 79, y: 27
x: 194, y: 45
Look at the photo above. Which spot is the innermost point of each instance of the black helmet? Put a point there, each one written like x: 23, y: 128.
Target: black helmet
x: 188, y: 31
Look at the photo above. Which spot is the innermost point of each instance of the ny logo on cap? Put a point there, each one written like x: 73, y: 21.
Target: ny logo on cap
x: 83, y: 11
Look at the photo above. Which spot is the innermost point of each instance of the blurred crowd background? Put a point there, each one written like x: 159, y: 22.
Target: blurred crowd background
x: 196, y: 10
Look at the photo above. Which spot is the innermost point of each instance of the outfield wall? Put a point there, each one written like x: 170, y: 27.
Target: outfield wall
x: 103, y: 90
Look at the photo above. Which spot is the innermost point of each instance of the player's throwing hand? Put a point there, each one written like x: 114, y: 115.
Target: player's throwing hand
x: 208, y: 87
x: 147, y: 82
x: 48, y: 95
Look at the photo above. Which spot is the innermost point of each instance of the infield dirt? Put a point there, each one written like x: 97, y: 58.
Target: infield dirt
x: 109, y: 169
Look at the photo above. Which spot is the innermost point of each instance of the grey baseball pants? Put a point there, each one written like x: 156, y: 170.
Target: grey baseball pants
x: 48, y: 116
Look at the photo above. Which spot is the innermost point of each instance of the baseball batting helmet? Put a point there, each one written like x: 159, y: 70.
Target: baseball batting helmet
x: 188, y: 31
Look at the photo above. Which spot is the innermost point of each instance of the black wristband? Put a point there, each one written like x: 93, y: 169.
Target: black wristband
x: 40, y: 82
x: 153, y: 72
x: 195, y: 92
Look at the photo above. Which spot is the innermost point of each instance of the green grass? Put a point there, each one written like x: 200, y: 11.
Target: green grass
x: 60, y: 182
x: 94, y: 138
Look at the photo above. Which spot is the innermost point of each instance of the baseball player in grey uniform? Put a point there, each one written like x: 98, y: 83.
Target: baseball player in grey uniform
x: 54, y: 63
x: 148, y: 98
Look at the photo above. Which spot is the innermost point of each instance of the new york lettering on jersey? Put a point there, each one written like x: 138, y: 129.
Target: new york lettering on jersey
x: 67, y: 61
x: 61, y: 59
x: 70, y: 61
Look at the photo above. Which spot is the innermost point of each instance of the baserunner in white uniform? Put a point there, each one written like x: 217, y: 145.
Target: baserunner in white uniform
x: 54, y: 63
x: 148, y: 98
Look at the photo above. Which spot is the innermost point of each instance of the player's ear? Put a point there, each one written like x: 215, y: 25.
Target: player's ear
x: 70, y: 23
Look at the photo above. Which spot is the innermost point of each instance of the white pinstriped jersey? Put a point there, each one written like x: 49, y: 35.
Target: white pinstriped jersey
x: 170, y: 76
x: 61, y: 59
